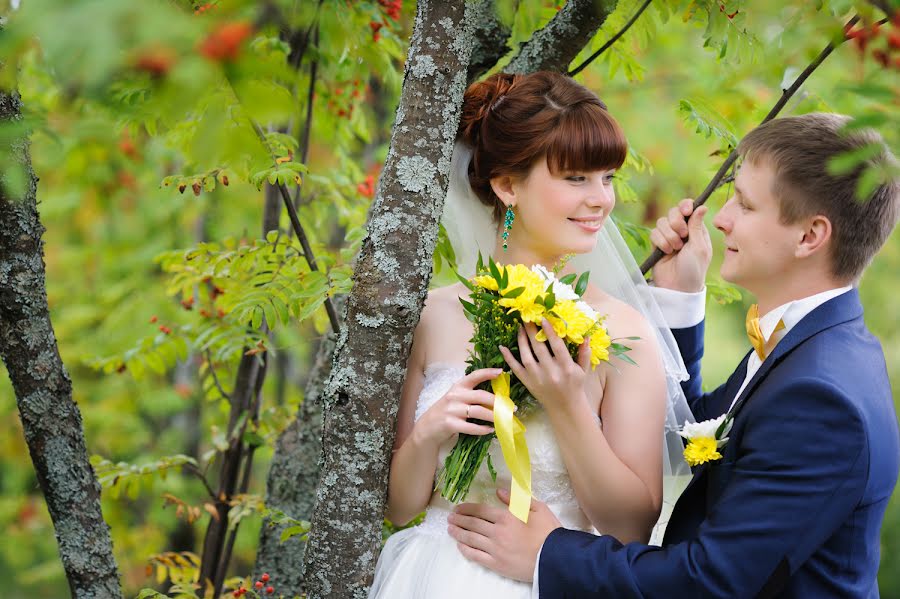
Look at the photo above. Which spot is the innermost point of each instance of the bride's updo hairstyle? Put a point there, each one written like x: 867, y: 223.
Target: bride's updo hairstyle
x: 512, y: 121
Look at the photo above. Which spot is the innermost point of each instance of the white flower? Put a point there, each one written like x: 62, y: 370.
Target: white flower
x: 560, y: 289
x: 588, y: 311
x: 707, y: 429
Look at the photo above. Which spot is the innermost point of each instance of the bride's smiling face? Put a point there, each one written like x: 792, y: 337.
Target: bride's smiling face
x: 557, y: 213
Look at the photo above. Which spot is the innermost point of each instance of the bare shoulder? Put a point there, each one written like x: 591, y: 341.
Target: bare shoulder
x: 444, y: 330
x: 443, y: 301
x: 622, y: 319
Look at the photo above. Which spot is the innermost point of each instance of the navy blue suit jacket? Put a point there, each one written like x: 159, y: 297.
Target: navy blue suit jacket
x: 795, y: 505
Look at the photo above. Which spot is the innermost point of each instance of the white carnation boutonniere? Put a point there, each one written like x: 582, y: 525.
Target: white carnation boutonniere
x: 705, y: 439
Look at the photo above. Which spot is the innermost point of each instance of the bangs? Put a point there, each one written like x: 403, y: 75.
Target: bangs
x: 585, y: 138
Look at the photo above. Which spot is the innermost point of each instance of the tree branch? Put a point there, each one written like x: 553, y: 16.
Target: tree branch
x: 554, y: 46
x: 612, y: 40
x: 654, y: 257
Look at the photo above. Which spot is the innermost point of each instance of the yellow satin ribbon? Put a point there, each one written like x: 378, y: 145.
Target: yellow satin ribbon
x: 511, y: 434
x: 755, y: 333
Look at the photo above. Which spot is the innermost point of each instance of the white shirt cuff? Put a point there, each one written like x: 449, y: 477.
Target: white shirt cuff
x: 680, y: 309
x: 535, y: 587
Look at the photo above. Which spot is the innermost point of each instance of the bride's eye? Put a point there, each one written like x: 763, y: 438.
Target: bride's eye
x: 609, y: 178
x: 575, y: 178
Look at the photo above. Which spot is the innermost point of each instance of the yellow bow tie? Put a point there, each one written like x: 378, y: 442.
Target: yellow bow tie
x: 755, y: 334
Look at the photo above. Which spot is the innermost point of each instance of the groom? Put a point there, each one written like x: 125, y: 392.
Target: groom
x: 793, y: 508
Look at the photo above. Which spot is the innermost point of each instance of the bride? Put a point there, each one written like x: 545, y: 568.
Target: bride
x: 535, y: 158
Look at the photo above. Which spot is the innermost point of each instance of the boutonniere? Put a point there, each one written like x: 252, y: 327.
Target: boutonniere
x: 705, y: 439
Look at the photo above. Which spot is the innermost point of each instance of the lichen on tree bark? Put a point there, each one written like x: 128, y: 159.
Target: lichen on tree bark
x: 50, y: 418
x: 390, y: 283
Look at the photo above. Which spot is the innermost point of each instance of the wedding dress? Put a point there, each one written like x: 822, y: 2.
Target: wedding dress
x: 424, y: 561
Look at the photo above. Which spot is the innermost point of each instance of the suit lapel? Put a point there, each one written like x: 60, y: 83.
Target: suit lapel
x: 835, y: 311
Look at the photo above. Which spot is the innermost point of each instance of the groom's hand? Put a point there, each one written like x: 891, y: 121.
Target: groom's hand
x: 493, y: 537
x: 686, y: 246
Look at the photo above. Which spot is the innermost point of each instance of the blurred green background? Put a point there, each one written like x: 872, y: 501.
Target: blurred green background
x: 121, y: 95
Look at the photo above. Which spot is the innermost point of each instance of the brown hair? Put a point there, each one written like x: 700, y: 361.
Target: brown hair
x: 800, y: 149
x: 512, y: 121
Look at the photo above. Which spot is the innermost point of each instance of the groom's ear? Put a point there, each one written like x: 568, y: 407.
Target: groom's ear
x: 816, y: 236
x: 503, y: 187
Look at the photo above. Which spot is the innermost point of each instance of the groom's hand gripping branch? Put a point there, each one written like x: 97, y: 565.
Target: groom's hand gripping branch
x: 493, y: 537
x: 686, y: 246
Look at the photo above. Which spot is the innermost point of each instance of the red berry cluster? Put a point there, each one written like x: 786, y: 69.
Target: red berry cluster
x: 155, y: 61
x: 391, y: 10
x: 203, y: 8
x: 870, y: 36
x: 367, y: 187
x: 343, y: 101
x: 224, y: 43
x: 260, y: 585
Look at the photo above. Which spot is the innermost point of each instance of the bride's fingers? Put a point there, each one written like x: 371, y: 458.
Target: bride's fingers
x: 541, y: 351
x: 584, y: 355
x: 514, y: 365
x: 480, y: 413
x: 477, y: 396
x: 557, y: 345
x: 470, y: 428
x: 476, y: 377
x: 525, y: 355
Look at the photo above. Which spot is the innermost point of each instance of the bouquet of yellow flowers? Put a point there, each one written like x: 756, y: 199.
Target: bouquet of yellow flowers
x: 502, y: 299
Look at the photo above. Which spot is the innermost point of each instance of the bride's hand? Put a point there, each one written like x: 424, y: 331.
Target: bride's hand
x: 451, y: 413
x: 549, y: 372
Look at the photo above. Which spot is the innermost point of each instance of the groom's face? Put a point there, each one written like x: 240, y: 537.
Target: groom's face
x: 759, y: 248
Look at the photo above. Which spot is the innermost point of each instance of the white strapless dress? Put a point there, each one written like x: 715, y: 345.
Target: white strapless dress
x: 424, y: 562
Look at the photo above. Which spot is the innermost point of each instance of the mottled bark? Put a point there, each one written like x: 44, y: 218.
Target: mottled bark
x: 390, y: 282
x: 554, y: 46
x: 490, y: 39
x: 50, y: 418
x: 293, y: 476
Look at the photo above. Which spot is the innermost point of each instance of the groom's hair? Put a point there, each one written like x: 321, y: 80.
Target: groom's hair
x: 511, y: 121
x: 815, y: 173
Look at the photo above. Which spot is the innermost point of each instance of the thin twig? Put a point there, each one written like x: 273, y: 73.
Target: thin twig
x: 215, y: 377
x: 611, y: 40
x: 298, y: 230
x: 196, y: 472
x: 650, y: 262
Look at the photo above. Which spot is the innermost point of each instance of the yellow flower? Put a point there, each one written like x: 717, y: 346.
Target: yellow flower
x: 700, y: 450
x: 486, y: 282
x: 569, y: 321
x: 519, y: 275
x: 600, y: 343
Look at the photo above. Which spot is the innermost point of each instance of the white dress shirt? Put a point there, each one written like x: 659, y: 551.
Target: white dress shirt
x: 682, y: 310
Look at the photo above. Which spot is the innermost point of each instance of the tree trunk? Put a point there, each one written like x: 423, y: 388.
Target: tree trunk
x: 50, y: 418
x: 292, y: 480
x: 557, y: 44
x: 390, y: 282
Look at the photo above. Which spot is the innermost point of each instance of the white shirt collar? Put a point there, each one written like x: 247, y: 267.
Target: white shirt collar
x: 793, y: 312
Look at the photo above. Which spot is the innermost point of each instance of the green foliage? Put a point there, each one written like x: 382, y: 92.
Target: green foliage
x: 125, y: 110
x: 128, y: 479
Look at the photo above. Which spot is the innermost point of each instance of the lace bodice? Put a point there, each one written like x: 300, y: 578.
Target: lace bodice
x: 549, y: 477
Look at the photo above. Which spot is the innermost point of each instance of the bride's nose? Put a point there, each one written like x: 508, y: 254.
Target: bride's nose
x: 602, y: 196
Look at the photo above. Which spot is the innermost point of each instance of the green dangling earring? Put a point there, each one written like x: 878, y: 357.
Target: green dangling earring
x: 507, y: 225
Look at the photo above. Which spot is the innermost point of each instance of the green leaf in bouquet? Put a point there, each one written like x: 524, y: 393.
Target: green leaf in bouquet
x: 504, y: 279
x: 568, y: 279
x: 491, y: 469
x: 550, y: 300
x: 495, y: 272
x: 513, y: 293
x: 581, y: 285
x: 468, y: 307
x: 465, y: 282
x: 479, y: 264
